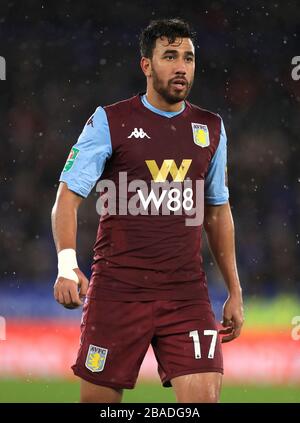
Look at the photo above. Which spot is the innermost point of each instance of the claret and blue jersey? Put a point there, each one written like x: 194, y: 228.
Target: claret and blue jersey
x: 95, y: 149
x: 149, y: 256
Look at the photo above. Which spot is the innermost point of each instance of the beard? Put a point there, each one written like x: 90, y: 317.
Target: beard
x: 169, y: 92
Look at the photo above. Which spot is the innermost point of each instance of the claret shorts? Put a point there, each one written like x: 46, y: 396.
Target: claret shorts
x: 115, y: 337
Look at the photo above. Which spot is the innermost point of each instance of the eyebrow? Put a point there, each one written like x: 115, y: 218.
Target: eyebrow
x: 187, y: 53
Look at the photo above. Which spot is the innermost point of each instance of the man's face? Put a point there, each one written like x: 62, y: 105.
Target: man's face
x: 173, y: 68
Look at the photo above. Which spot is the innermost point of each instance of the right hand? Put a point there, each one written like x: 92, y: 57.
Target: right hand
x: 233, y: 318
x: 66, y: 291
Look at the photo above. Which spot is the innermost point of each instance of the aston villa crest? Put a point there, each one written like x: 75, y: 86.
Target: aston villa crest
x: 95, y: 358
x: 200, y: 134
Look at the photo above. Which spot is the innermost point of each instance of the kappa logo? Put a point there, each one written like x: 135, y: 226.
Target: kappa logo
x: 95, y: 358
x: 138, y: 133
x: 90, y: 121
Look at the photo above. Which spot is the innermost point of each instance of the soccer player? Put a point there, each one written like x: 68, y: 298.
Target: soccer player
x: 148, y: 285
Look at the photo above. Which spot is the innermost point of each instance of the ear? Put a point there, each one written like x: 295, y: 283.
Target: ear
x: 146, y: 66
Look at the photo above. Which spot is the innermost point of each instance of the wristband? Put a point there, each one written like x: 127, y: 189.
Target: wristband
x: 66, y: 263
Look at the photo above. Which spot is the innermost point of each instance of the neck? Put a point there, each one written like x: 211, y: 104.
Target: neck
x: 156, y: 100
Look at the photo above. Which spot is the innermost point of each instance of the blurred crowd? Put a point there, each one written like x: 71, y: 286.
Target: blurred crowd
x: 65, y: 59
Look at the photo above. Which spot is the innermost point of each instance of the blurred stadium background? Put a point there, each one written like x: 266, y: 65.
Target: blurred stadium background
x: 66, y: 58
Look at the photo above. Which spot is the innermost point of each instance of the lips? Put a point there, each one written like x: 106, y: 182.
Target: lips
x: 179, y: 82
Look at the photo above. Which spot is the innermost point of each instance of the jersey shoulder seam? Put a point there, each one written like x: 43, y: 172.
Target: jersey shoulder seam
x: 202, y: 110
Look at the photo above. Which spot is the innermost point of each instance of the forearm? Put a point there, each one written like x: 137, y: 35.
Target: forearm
x: 219, y: 227
x: 64, y: 219
x: 64, y: 227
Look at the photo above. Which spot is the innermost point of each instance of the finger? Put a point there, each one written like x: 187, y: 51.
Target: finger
x: 225, y: 331
x: 75, y: 296
x: 60, y: 297
x: 84, y: 286
x: 226, y: 322
x: 228, y: 332
x: 55, y: 293
x: 70, y: 306
x: 227, y: 338
x: 235, y: 333
x: 226, y: 325
x: 67, y: 297
x: 237, y: 330
x: 83, y: 283
x: 68, y: 301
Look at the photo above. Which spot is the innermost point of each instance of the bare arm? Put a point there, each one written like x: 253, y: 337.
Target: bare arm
x: 219, y: 227
x: 64, y: 218
x: 64, y: 228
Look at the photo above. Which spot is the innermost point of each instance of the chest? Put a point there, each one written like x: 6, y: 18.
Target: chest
x: 162, y: 148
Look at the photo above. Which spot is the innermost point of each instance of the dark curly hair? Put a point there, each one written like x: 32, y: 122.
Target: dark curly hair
x: 170, y: 28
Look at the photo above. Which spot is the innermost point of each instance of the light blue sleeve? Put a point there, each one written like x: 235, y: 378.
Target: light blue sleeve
x: 87, y: 158
x: 215, y: 186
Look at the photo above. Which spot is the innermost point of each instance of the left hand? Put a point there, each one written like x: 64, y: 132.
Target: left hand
x: 233, y: 318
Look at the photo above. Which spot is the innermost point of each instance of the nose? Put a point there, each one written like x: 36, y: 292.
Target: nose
x: 180, y: 68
